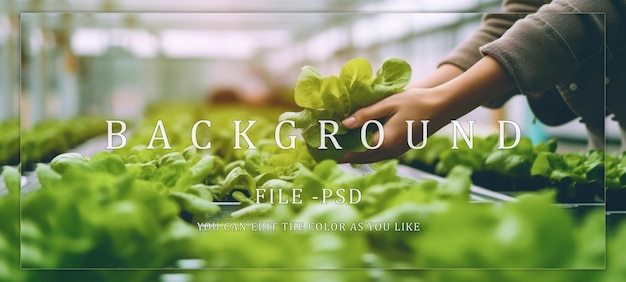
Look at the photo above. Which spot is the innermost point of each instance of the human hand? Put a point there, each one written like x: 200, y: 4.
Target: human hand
x: 484, y: 81
x: 414, y: 104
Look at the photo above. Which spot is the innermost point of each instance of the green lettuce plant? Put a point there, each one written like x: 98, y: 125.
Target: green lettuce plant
x: 337, y: 97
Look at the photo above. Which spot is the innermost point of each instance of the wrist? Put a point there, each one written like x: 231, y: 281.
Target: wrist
x: 442, y: 74
x: 444, y: 101
x: 435, y: 104
x: 483, y: 82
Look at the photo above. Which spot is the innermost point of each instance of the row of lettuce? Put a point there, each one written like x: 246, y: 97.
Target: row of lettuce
x: 45, y: 139
x: 578, y: 176
x: 136, y: 207
x: 100, y: 215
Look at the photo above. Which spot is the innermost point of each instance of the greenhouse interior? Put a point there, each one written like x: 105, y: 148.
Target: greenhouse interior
x: 203, y: 141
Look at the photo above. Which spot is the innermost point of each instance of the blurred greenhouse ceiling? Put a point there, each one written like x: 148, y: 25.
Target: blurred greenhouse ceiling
x: 252, y: 6
x: 189, y: 5
x: 157, y: 15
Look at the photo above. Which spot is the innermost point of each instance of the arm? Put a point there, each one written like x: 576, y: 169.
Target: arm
x: 536, y: 53
x: 493, y: 25
x: 562, y: 44
x: 444, y: 73
x: 549, y: 46
x: 467, y: 53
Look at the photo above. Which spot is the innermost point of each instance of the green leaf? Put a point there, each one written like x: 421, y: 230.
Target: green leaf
x: 171, y: 158
x: 545, y: 163
x: 457, y: 184
x: 108, y: 162
x: 141, y: 171
x: 548, y: 146
x: 62, y: 162
x: 336, y: 97
x: 172, y: 170
x: 391, y: 77
x: 507, y: 163
x: 277, y: 184
x: 355, y: 71
x: 206, y: 166
x: 189, y: 153
x: 47, y: 177
x: 307, y: 93
x: 241, y: 197
x: 238, y: 179
x: 254, y: 160
x: 203, y: 191
x: 195, y: 204
x: 253, y: 211
x: 12, y: 179
x: 302, y: 118
x: 264, y: 177
x: 363, y: 95
x: 235, y: 164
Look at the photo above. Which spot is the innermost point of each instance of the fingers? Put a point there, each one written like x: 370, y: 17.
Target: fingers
x: 394, y: 131
x: 392, y: 146
x: 374, y: 111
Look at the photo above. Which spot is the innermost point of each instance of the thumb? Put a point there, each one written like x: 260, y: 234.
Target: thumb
x: 368, y: 113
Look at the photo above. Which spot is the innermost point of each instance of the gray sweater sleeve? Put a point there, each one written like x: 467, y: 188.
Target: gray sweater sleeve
x: 492, y: 27
x: 546, y: 47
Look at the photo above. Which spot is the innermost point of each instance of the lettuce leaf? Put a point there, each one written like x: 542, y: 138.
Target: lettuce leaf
x: 616, y: 171
x: 336, y: 98
x: 572, y: 168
